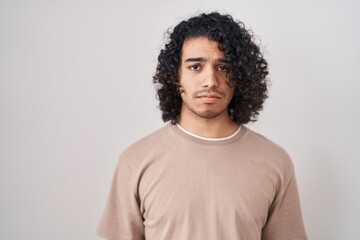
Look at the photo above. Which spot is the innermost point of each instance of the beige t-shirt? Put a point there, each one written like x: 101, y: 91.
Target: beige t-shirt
x: 173, y: 186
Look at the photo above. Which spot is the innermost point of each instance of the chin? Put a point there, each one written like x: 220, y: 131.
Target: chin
x: 209, y: 114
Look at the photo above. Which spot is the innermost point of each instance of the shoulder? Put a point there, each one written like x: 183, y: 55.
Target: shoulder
x: 149, y: 141
x: 147, y: 145
x: 267, y: 150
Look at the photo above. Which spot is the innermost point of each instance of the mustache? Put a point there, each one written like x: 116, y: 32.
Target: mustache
x: 207, y: 91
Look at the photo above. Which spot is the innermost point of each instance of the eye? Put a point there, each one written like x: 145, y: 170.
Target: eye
x: 195, y: 67
x: 222, y: 68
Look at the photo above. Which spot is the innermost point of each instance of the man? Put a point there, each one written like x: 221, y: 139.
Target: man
x: 206, y: 176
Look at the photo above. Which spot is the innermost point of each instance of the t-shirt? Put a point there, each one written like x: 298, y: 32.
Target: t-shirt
x: 174, y: 186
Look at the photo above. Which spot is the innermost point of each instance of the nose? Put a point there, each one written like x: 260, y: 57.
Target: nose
x: 209, y: 78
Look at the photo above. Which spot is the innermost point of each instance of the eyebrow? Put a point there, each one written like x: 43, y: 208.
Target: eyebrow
x: 200, y: 59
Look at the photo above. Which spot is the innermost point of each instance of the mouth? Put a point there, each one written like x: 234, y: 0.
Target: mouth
x: 209, y: 98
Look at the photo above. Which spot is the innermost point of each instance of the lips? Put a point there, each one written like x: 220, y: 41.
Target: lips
x: 209, y: 98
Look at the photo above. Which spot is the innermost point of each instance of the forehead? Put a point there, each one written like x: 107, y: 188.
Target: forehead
x: 201, y: 47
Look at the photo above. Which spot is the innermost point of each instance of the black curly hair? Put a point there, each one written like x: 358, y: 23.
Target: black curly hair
x: 246, y: 66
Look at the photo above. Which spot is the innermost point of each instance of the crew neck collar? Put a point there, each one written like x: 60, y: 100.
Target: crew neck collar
x: 175, y: 129
x: 209, y: 139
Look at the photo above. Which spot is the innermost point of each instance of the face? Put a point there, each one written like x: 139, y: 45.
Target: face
x: 203, y: 82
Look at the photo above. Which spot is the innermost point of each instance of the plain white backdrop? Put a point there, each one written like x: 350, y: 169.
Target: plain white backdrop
x: 76, y: 89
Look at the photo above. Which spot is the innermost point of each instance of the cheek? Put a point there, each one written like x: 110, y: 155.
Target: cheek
x: 231, y: 93
x: 188, y: 83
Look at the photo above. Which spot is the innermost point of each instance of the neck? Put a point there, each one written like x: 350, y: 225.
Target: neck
x: 218, y: 127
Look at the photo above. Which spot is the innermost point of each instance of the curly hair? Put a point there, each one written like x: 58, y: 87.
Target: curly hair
x: 246, y: 66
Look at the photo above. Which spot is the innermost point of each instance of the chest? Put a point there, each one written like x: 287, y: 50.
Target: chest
x: 205, y: 190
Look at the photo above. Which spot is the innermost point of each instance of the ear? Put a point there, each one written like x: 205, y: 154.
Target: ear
x: 180, y: 89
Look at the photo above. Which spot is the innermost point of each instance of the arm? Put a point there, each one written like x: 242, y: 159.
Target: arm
x: 284, y: 217
x: 122, y: 219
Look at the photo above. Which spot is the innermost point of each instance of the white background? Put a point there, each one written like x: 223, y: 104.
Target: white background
x: 76, y: 89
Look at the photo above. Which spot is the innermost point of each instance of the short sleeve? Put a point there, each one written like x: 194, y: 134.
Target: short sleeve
x: 285, y: 219
x: 122, y: 219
